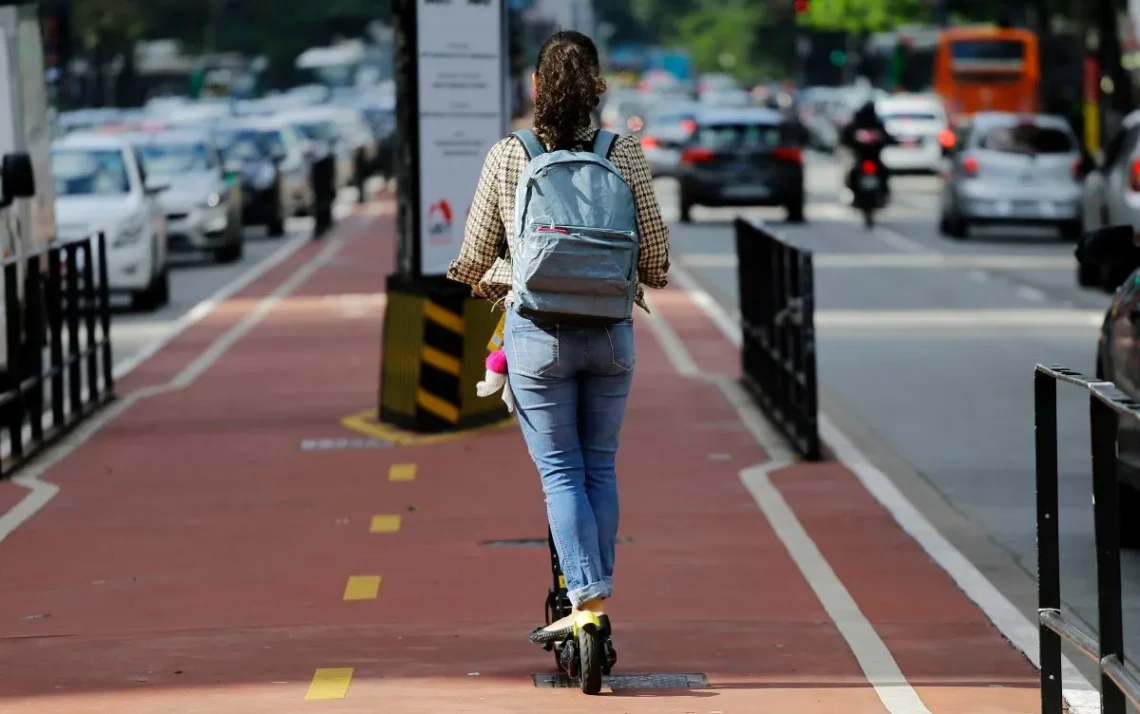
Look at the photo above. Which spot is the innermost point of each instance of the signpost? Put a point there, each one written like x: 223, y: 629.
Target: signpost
x: 451, y: 68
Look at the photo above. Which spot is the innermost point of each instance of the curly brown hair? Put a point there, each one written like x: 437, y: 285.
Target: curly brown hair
x: 570, y: 87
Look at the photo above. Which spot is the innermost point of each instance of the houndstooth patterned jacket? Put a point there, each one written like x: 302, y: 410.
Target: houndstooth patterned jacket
x: 484, y: 258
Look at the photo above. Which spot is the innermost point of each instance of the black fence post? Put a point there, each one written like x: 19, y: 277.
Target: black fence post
x: 1102, y: 426
x: 105, y: 319
x: 1048, y: 538
x: 810, y: 399
x: 1119, y: 680
x: 71, y: 315
x: 13, y: 399
x: 777, y: 301
x: 87, y: 250
x: 55, y: 329
x: 33, y: 292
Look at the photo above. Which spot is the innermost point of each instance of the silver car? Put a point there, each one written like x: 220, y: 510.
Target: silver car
x: 203, y: 204
x: 1013, y: 169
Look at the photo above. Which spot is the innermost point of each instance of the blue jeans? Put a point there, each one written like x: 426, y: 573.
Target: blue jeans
x: 570, y: 385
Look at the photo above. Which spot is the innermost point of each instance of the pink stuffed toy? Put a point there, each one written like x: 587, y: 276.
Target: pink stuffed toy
x: 496, y: 378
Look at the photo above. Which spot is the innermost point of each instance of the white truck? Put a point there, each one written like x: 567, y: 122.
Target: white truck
x: 27, y: 195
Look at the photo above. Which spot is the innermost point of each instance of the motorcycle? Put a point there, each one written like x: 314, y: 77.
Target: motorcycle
x: 866, y: 183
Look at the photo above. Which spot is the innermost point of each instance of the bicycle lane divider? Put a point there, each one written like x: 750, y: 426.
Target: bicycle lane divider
x: 939, y: 588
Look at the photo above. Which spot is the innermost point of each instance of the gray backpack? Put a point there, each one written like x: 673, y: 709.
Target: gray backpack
x: 575, y: 257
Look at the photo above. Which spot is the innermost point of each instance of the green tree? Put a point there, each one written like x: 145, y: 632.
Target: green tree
x: 863, y: 15
x: 722, y: 37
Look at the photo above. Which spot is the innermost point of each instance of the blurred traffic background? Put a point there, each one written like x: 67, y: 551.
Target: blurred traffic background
x: 1013, y: 133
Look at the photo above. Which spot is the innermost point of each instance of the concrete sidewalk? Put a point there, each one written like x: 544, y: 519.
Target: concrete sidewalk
x: 222, y: 543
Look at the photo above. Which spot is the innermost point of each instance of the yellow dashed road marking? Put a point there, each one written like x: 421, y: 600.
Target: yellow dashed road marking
x: 402, y: 472
x: 330, y: 683
x: 362, y: 587
x: 384, y: 524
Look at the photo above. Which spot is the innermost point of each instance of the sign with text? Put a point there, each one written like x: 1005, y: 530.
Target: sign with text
x: 461, y: 87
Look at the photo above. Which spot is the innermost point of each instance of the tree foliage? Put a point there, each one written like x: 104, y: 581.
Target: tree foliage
x: 862, y: 15
x: 722, y: 37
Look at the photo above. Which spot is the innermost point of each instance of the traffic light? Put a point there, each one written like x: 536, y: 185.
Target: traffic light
x: 802, y: 6
x: 838, y: 58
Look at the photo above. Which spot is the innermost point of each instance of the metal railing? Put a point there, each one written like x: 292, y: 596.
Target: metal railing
x: 777, y: 306
x: 1119, y: 680
x: 58, y: 361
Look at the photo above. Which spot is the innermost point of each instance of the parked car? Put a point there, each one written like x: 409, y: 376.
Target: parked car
x: 322, y: 138
x: 101, y: 186
x: 263, y: 191
x: 351, y: 139
x: 921, y: 127
x: 1013, y: 169
x: 743, y: 157
x: 1111, y: 193
x: 1114, y: 251
x: 203, y: 206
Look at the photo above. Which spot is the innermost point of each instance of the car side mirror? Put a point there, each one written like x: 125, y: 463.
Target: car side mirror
x: 17, y: 180
x: 154, y: 186
x: 1111, y: 247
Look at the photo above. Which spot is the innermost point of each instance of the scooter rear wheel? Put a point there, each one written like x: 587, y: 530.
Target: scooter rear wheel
x: 592, y: 654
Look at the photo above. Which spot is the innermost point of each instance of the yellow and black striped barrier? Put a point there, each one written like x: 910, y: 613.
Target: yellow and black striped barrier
x: 434, y: 353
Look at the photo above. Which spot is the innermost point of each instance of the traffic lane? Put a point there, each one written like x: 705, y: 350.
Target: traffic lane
x: 940, y: 364
x: 192, y: 280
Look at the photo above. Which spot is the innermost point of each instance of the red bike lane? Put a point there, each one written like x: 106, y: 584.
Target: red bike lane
x: 202, y: 556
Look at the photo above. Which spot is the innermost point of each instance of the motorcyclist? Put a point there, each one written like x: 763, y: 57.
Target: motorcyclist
x: 867, y: 119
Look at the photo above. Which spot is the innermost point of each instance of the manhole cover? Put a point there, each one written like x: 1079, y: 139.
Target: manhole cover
x: 619, y: 682
x: 341, y: 444
x: 532, y: 542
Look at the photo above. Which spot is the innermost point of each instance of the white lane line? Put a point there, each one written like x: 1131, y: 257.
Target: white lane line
x: 973, y: 261
x: 205, y: 307
x: 1031, y: 293
x: 874, y: 658
x: 41, y: 492
x: 1080, y: 694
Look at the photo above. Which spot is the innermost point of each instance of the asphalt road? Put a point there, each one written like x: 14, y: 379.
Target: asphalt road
x: 927, y: 346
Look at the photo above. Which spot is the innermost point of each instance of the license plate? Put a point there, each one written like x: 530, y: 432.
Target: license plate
x: 746, y: 191
x: 1003, y: 208
x: 869, y: 183
x: 909, y: 142
x: 1048, y: 209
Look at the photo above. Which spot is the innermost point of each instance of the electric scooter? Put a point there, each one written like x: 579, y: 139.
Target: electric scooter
x: 587, y: 654
x: 866, y: 184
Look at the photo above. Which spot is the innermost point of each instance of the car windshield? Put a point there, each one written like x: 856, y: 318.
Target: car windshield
x: 172, y: 159
x: 318, y: 130
x: 734, y: 136
x: 1028, y: 139
x: 242, y: 145
x: 89, y: 172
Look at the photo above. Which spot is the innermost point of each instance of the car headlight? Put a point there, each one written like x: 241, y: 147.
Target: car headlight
x: 213, y: 200
x: 129, y: 231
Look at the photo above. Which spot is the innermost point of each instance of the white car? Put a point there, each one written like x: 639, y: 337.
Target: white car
x: 920, y: 125
x: 204, y: 203
x: 99, y: 186
x: 348, y: 133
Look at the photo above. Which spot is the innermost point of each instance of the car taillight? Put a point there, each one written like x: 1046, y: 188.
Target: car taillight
x: 1135, y: 183
x: 1077, y: 168
x: 970, y: 165
x: 794, y: 155
x: 946, y: 139
x: 697, y: 156
x: 649, y: 142
x: 689, y: 126
x: 869, y: 168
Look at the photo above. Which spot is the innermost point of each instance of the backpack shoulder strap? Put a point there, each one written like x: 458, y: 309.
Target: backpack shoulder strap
x: 530, y: 142
x: 604, y: 143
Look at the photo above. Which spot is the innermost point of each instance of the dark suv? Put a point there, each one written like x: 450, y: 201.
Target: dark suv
x: 743, y: 157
